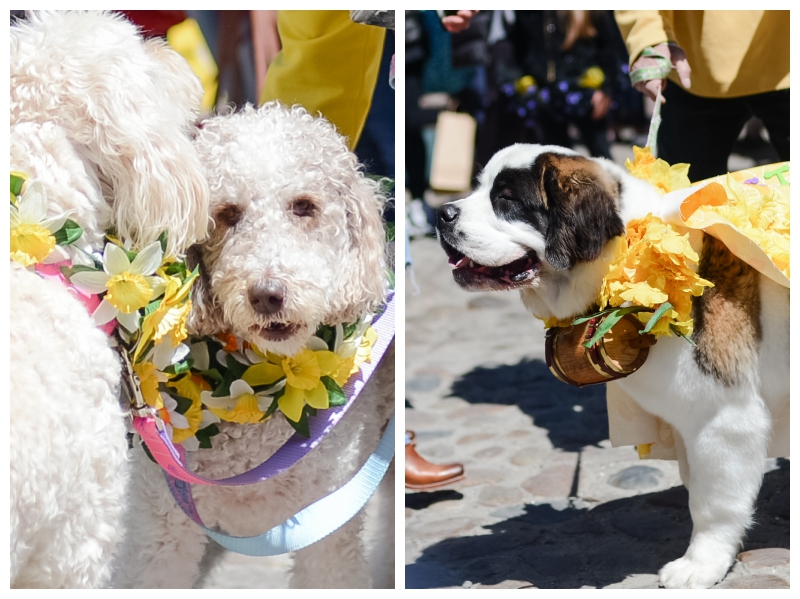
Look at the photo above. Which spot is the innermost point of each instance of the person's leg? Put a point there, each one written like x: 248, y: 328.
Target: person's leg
x: 699, y: 131
x: 773, y: 110
x: 328, y: 64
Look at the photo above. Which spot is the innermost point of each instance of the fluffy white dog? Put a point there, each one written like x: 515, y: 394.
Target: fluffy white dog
x: 101, y: 118
x: 297, y: 241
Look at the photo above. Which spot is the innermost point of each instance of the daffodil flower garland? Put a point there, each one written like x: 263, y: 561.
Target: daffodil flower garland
x: 144, y: 292
x: 654, y: 268
x: 224, y: 379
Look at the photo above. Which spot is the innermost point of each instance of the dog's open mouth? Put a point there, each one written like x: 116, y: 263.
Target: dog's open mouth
x: 474, y: 276
x: 276, y: 331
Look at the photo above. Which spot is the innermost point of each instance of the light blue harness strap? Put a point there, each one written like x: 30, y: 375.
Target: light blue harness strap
x: 322, y: 517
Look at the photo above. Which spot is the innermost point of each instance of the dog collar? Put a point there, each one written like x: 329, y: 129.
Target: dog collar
x: 172, y: 458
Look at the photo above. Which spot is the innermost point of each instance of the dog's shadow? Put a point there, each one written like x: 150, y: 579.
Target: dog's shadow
x: 574, y: 547
x: 573, y: 417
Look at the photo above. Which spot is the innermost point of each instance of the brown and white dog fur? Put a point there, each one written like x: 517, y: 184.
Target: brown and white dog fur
x: 541, y: 221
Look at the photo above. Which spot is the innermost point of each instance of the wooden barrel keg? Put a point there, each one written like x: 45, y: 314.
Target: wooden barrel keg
x: 620, y: 352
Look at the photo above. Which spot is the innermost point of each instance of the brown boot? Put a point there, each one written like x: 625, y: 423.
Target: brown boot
x: 421, y: 474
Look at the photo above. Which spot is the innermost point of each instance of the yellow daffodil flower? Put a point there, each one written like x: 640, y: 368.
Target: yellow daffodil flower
x: 186, y: 425
x: 169, y: 319
x: 32, y: 233
x: 130, y: 285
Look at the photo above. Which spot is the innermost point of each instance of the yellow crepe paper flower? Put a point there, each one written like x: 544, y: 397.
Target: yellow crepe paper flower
x: 759, y: 213
x: 654, y: 264
x: 664, y: 177
x: 32, y: 232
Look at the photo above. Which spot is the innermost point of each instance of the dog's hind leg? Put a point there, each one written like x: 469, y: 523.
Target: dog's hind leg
x: 725, y: 453
x: 336, y: 562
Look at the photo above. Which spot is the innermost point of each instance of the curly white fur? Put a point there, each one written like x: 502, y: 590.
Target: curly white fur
x: 328, y: 254
x: 102, y: 119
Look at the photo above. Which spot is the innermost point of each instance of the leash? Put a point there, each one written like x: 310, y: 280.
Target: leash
x: 311, y: 524
x: 659, y: 71
x: 173, y: 459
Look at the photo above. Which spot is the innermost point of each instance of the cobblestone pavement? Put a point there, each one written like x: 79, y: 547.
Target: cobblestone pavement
x: 547, y: 502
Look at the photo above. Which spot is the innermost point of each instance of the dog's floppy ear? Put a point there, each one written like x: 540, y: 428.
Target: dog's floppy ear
x: 582, y: 209
x: 205, y: 317
x: 364, y: 276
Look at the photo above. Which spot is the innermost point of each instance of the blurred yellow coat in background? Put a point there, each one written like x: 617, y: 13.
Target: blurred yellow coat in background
x: 328, y: 64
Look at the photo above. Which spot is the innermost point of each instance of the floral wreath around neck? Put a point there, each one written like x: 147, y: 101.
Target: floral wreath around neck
x: 196, y: 383
x: 653, y: 273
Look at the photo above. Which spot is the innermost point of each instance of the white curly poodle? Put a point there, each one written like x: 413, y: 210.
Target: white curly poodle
x: 102, y: 119
x: 297, y: 241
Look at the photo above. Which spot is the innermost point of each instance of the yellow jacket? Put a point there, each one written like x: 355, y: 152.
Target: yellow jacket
x: 731, y: 52
x: 328, y: 64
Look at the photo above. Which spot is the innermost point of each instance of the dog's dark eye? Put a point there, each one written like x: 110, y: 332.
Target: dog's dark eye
x: 229, y: 215
x: 303, y: 207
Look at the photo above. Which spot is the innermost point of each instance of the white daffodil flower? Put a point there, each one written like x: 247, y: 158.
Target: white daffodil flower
x: 243, y: 405
x: 32, y: 233
x: 130, y: 285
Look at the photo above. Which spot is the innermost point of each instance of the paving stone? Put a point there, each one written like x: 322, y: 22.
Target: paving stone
x: 636, y: 477
x: 468, y: 439
x: 528, y: 457
x: 773, y: 557
x: 499, y: 495
x: 423, y: 382
x: 489, y: 452
x: 756, y: 581
x: 555, y: 481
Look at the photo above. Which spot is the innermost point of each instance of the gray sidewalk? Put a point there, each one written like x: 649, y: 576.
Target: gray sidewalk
x: 547, y: 502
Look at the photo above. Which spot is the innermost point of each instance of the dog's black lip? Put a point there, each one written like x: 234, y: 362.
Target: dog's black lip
x: 276, y: 331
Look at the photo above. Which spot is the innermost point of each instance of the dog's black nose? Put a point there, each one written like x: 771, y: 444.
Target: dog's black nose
x: 266, y: 297
x: 447, y: 213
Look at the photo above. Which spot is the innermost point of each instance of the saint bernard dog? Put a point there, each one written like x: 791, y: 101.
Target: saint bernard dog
x: 541, y: 221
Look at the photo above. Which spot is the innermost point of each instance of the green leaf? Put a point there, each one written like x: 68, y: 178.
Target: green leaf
x: 655, y: 317
x: 180, y: 367
x: 152, y: 306
x: 622, y: 311
x: 604, y: 327
x: 678, y: 332
x: 69, y: 233
x: 16, y: 184
x: 349, y: 329
x: 68, y: 271
x: 176, y: 268
x: 302, y: 426
x: 162, y: 239
x: 336, y: 396
x: 273, y: 406
x: 184, y: 403
x: 390, y: 277
x: 389, y: 231
x: 212, y: 374
x: 235, y: 366
x: 204, y: 435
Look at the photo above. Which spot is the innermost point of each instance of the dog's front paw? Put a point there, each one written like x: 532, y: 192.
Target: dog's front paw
x: 693, y: 572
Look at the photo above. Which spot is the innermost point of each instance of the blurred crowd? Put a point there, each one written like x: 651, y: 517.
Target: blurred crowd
x: 563, y: 77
